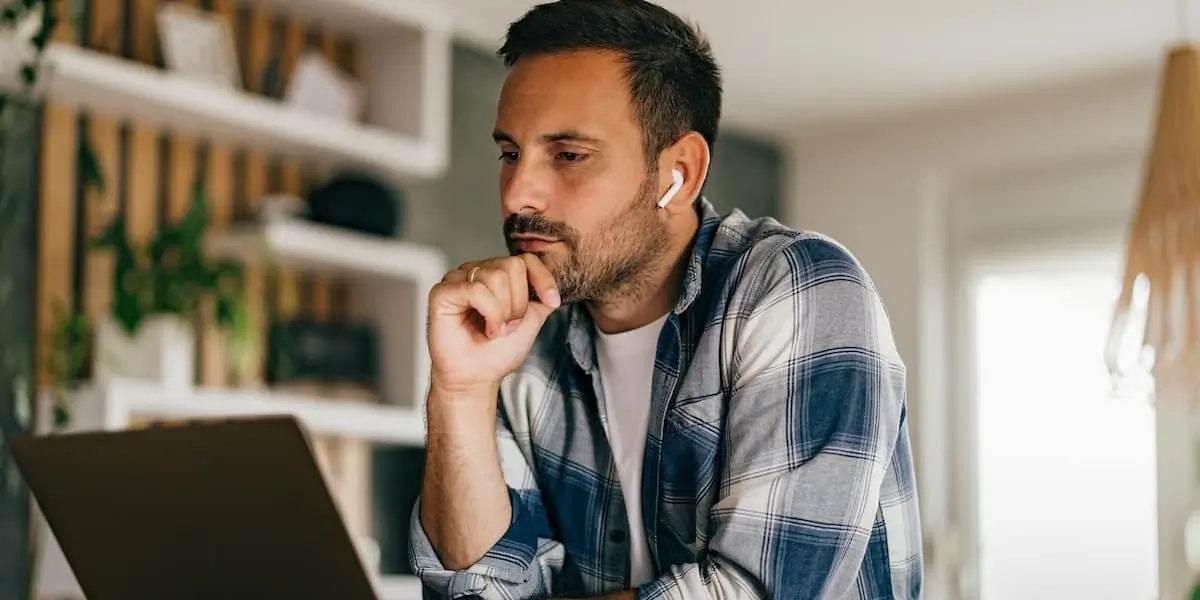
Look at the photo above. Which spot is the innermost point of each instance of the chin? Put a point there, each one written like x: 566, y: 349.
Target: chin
x: 551, y: 258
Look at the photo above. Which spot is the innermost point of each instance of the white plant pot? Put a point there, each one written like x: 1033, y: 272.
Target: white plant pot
x: 163, y: 350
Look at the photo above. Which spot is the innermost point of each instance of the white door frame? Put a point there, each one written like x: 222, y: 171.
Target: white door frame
x: 1175, y: 430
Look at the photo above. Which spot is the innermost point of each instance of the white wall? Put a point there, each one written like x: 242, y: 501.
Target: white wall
x: 905, y: 197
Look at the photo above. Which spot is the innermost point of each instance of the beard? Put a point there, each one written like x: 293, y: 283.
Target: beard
x: 610, y: 264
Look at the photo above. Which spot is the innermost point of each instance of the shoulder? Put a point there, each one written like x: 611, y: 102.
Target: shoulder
x: 799, y: 297
x: 762, y: 258
x: 780, y: 283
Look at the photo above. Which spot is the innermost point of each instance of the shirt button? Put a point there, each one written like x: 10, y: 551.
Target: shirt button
x: 616, y: 536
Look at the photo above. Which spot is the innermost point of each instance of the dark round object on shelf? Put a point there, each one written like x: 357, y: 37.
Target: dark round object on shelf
x: 359, y: 202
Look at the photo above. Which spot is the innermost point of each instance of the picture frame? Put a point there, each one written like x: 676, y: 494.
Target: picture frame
x: 198, y: 45
x: 318, y: 86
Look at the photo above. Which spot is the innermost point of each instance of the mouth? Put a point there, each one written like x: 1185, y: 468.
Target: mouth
x: 532, y: 243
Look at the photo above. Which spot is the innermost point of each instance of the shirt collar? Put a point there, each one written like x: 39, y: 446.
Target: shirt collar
x: 579, y: 330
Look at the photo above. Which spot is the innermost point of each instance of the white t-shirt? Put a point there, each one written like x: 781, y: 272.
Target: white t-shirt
x: 626, y: 362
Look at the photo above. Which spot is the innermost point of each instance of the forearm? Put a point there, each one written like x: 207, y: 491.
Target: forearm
x: 465, y: 506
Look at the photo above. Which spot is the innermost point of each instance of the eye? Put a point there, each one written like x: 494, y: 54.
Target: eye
x: 571, y: 156
x: 509, y: 157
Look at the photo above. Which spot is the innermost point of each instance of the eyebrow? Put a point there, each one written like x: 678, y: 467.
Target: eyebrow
x: 550, y: 138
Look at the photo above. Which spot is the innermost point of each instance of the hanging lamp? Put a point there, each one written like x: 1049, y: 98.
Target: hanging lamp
x: 1162, y: 258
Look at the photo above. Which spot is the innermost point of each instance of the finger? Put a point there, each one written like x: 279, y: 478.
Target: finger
x: 458, y: 275
x: 498, y: 282
x: 542, y: 281
x: 476, y: 296
x: 518, y: 286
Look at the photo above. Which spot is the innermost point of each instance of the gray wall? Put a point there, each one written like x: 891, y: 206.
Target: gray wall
x: 744, y: 174
x: 461, y: 211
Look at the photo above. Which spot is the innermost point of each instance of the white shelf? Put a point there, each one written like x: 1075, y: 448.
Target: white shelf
x: 392, y: 290
x: 122, y: 88
x: 312, y: 246
x: 114, y: 405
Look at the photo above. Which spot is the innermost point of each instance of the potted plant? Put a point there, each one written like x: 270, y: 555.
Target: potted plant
x: 161, y: 289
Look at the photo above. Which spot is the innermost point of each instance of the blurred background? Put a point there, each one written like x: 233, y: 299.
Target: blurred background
x: 218, y: 207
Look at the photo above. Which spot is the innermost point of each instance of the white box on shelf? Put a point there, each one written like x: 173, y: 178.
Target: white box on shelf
x: 318, y: 86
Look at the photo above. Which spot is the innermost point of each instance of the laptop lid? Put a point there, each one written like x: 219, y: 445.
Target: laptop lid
x: 234, y: 509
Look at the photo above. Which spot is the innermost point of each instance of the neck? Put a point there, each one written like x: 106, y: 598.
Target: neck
x: 657, y: 289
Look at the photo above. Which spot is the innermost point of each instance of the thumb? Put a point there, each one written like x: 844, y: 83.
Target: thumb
x: 538, y: 312
x: 535, y: 316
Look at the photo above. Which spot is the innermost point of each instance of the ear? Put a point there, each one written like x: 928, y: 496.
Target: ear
x: 689, y: 155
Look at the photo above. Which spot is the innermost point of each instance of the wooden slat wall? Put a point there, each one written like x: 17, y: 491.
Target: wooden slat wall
x: 149, y: 175
x: 217, y: 159
x: 57, y: 215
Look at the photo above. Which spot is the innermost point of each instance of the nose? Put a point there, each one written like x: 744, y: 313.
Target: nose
x: 523, y: 189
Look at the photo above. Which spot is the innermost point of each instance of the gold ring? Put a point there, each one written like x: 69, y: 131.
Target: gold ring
x: 471, y: 276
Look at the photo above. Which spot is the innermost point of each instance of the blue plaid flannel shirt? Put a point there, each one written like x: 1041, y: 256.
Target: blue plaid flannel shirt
x: 777, y: 463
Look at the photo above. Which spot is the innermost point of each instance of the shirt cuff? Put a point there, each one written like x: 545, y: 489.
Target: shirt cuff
x: 508, y: 563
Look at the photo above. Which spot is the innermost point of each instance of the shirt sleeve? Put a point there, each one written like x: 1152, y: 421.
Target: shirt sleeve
x: 814, y: 417
x: 522, y: 564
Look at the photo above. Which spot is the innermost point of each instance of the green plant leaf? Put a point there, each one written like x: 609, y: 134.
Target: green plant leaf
x: 62, y: 416
x: 193, y: 224
x: 79, y: 14
x: 41, y: 39
x: 129, y: 286
x: 29, y: 75
x: 111, y: 236
x: 89, y: 165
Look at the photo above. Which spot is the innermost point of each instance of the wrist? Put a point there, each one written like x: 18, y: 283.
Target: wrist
x: 467, y: 410
x: 461, y: 391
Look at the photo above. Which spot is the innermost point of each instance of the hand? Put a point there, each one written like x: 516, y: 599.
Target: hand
x: 482, y: 321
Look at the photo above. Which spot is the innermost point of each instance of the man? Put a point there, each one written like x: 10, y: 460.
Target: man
x: 647, y: 400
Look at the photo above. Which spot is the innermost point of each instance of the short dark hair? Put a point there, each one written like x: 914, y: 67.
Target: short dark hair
x: 673, y: 79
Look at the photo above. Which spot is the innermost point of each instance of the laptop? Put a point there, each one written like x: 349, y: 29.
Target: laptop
x: 233, y: 509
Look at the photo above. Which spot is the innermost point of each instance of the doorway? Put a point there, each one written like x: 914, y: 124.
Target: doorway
x: 1064, y: 463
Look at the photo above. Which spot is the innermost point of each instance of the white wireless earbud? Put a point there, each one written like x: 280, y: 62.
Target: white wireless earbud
x: 676, y: 183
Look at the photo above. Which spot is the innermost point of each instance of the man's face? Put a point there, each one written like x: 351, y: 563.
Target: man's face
x: 574, y: 185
